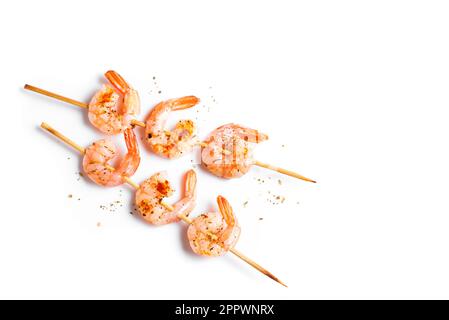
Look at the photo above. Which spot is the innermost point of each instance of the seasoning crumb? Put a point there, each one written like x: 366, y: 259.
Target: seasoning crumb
x: 283, y: 146
x: 130, y: 212
x: 70, y: 195
x: 280, y: 181
x: 98, y: 224
x: 245, y: 203
x: 79, y: 199
x: 260, y: 219
x: 159, y: 92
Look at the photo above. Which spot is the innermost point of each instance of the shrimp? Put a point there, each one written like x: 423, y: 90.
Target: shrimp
x: 112, y: 105
x: 181, y: 140
x: 214, y: 233
x: 151, y: 192
x: 227, y: 153
x: 98, y: 156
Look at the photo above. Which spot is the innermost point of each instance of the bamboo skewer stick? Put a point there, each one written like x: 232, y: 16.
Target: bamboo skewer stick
x: 283, y: 171
x: 138, y: 123
x: 56, y: 96
x: 142, y: 124
x: 169, y: 207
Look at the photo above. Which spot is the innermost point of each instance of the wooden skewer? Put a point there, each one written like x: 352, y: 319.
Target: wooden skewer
x: 142, y: 124
x: 56, y: 96
x: 283, y: 171
x: 169, y: 207
x: 138, y: 123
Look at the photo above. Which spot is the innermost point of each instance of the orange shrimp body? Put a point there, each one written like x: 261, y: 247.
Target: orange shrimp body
x: 179, y: 141
x: 228, y: 153
x: 111, y: 108
x: 214, y: 233
x: 99, y: 155
x: 152, y: 191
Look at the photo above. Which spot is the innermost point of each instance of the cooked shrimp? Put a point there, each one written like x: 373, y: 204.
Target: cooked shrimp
x: 111, y: 107
x: 151, y: 192
x: 227, y: 153
x: 99, y: 155
x: 214, y: 233
x: 179, y: 141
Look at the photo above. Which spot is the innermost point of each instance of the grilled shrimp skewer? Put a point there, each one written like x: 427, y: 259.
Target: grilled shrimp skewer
x: 181, y: 216
x: 231, y: 159
x: 111, y: 108
x: 228, y: 152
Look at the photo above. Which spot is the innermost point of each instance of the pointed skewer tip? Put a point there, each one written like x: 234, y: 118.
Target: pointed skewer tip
x: 276, y: 279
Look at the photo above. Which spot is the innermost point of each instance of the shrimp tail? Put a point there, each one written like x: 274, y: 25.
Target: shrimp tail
x: 226, y: 211
x: 190, y: 184
x: 131, y: 102
x: 229, y: 217
x: 183, y: 103
x: 131, y: 141
x: 117, y: 81
x: 251, y: 135
x: 131, y: 161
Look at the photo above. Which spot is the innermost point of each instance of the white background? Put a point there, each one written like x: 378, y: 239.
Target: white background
x: 356, y: 91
